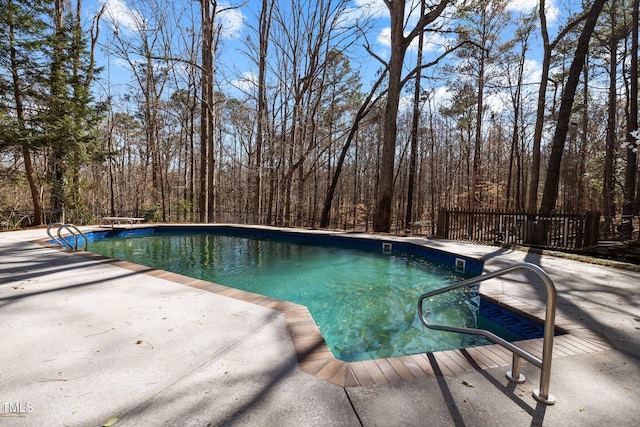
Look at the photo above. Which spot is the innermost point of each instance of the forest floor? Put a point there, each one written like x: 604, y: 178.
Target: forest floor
x: 620, y: 251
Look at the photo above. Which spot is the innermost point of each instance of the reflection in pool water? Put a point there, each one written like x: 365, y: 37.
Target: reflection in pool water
x: 363, y: 301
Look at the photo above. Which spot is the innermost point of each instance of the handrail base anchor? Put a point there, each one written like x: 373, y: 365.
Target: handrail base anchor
x: 519, y: 380
x: 549, y: 399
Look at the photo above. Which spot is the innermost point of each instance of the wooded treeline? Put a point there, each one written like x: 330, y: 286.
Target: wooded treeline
x: 311, y: 137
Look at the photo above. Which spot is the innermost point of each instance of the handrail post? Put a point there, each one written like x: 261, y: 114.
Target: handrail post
x: 514, y: 375
x: 542, y: 394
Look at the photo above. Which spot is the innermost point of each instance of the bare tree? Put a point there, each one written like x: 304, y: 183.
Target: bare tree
x: 526, y: 25
x: 207, y: 111
x: 548, y: 47
x: 631, y: 168
x: 264, y: 31
x: 399, y: 45
x: 550, y: 194
x: 613, y: 39
x: 141, y: 44
x: 481, y: 25
x: 369, y: 102
x: 414, y: 129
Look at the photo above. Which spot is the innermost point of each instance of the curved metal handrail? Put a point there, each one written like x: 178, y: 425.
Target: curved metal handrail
x: 61, y: 242
x: 72, y: 229
x: 544, y: 364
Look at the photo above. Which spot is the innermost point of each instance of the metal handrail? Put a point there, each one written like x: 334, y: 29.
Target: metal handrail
x: 544, y: 364
x: 72, y: 229
x: 61, y: 242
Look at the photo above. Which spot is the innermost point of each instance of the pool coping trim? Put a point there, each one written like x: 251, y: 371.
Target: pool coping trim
x: 315, y: 358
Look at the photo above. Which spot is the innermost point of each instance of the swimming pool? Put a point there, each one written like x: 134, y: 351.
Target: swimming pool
x: 360, y: 292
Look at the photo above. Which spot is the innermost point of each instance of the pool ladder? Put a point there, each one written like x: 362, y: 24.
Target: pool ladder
x: 541, y: 394
x: 62, y: 241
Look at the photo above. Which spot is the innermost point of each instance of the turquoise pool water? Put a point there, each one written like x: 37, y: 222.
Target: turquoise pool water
x: 363, y: 301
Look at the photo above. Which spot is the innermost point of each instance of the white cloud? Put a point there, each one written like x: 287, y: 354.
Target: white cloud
x: 372, y: 8
x: 246, y: 83
x: 522, y: 5
x: 120, y: 62
x: 124, y: 17
x: 384, y: 37
x: 363, y: 13
x: 406, y: 103
x: 532, y: 71
x: 441, y: 96
x: 496, y: 102
x: 232, y: 22
x: 553, y: 13
x: 527, y: 6
x: 121, y: 15
x: 437, y: 97
x: 433, y: 42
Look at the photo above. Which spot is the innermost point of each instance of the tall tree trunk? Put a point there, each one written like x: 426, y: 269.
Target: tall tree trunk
x: 584, y: 140
x: 362, y: 112
x: 57, y: 174
x: 630, y: 170
x: 399, y: 44
x: 33, y: 186
x: 432, y: 171
x: 26, y: 153
x: 110, y: 153
x: 515, y: 136
x: 207, y: 153
x: 264, y: 30
x: 512, y: 152
x: 610, y: 141
x: 550, y: 193
x: 150, y: 118
x: 532, y: 201
x: 477, y: 145
x: 382, y: 216
x: 211, y: 149
x: 414, y: 131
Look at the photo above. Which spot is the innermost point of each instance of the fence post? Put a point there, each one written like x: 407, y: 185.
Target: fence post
x: 443, y: 224
x: 537, y: 229
x: 592, y: 229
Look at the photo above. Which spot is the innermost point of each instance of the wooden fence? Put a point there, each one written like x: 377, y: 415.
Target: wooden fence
x: 559, y: 230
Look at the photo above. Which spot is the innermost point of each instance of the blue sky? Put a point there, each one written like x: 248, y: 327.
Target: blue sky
x: 236, y: 23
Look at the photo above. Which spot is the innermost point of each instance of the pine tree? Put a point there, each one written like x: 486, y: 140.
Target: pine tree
x: 22, y: 32
x: 70, y: 117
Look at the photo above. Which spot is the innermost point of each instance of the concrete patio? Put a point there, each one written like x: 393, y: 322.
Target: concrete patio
x: 85, y: 342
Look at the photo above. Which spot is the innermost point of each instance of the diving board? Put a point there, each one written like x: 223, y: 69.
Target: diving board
x: 113, y: 220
